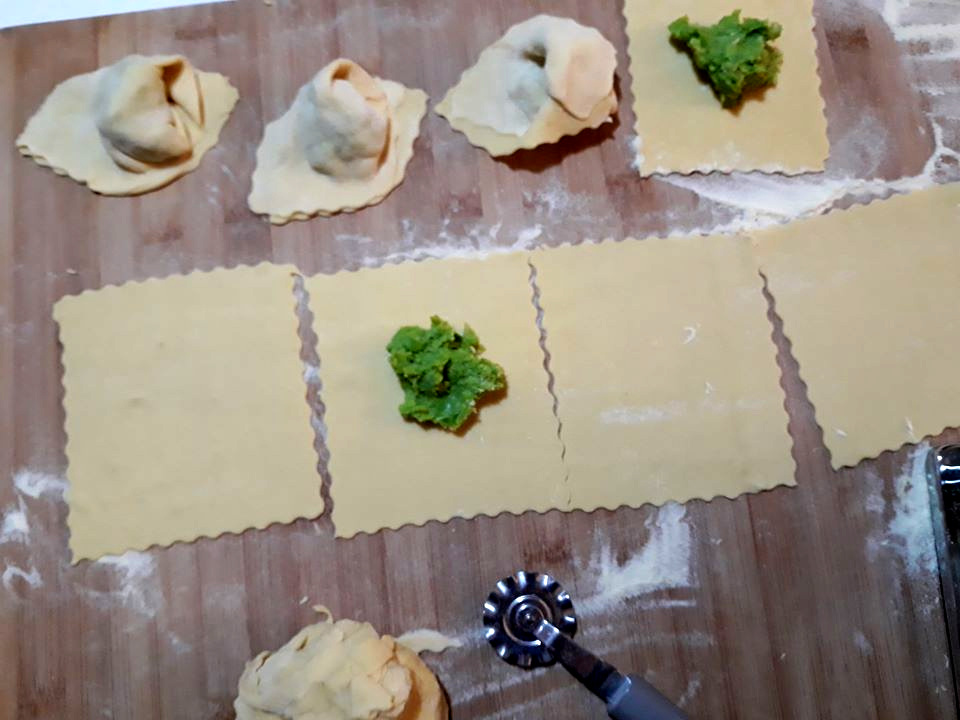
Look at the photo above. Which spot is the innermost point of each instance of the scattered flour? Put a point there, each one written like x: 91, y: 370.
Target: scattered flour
x: 36, y: 484
x: 690, y: 692
x: 354, y: 239
x: 15, y: 527
x: 638, y: 157
x: 526, y: 236
x: 860, y: 640
x: 134, y: 573
x: 644, y: 414
x: 909, y: 530
x: 311, y: 374
x: 555, y: 198
x: 11, y: 572
x: 663, y: 563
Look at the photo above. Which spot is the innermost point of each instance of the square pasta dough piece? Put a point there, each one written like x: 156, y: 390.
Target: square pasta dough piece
x: 681, y: 125
x: 664, y: 369
x: 386, y: 471
x: 186, y: 414
x: 869, y: 299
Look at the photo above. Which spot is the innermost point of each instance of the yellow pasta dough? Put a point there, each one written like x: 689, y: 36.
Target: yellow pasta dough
x: 387, y: 472
x: 868, y: 298
x: 665, y: 372
x: 186, y: 413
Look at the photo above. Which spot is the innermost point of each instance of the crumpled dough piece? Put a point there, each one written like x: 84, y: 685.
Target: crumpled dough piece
x: 341, y: 670
x: 343, y: 144
x: 545, y: 78
x: 130, y: 127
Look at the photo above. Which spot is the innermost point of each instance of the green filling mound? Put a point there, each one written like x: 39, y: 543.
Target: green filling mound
x: 735, y: 56
x: 441, y: 373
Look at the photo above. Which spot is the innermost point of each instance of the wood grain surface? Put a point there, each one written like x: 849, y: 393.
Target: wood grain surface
x: 793, y: 603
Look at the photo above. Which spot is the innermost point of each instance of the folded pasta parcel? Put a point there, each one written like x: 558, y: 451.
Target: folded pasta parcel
x: 545, y: 78
x: 130, y: 127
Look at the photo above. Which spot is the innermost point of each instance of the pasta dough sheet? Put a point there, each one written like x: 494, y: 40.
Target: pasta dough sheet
x: 387, y: 472
x: 681, y: 125
x: 869, y: 299
x: 186, y: 414
x: 665, y: 372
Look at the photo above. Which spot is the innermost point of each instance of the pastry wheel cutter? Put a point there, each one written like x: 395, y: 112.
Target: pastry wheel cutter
x: 530, y: 622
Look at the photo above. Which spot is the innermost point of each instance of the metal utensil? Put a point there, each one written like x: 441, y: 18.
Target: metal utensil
x: 530, y: 621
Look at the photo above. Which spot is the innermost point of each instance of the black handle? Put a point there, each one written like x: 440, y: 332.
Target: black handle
x: 639, y: 700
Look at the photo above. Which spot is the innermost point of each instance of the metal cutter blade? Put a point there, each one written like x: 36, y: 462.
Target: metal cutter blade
x: 502, y: 626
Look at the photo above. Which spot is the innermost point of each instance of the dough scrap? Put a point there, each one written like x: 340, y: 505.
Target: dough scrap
x: 427, y: 640
x: 130, y: 127
x: 545, y: 78
x: 868, y: 298
x: 679, y: 124
x: 186, y: 414
x: 342, y: 145
x: 341, y: 670
x: 387, y: 472
x: 665, y: 374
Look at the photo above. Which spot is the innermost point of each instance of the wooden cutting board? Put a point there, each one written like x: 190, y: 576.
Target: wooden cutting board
x: 793, y: 603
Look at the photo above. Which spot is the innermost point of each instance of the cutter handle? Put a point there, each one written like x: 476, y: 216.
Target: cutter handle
x: 639, y: 700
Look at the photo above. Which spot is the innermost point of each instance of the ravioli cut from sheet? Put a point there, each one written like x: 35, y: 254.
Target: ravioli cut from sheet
x: 664, y: 370
x: 130, y: 127
x: 547, y: 77
x: 186, y: 414
x: 344, y: 144
x: 868, y: 298
x: 681, y: 127
x: 386, y: 471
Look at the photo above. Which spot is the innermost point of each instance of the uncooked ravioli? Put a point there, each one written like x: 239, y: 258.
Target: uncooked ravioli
x: 545, y: 78
x: 130, y: 127
x: 344, y: 144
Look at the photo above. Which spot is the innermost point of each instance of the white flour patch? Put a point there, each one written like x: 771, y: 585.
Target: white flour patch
x: 354, y: 239
x: 526, y: 236
x: 690, y: 692
x: 479, y: 241
x: 35, y: 484
x: 179, y: 645
x: 12, y: 573
x: 640, y: 415
x: 619, y: 640
x: 311, y: 374
x: 909, y: 530
x: 942, y: 35
x: 555, y: 199
x: 638, y: 157
x: 662, y: 563
x: 15, y: 527
x: 134, y: 573
x: 863, y: 645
